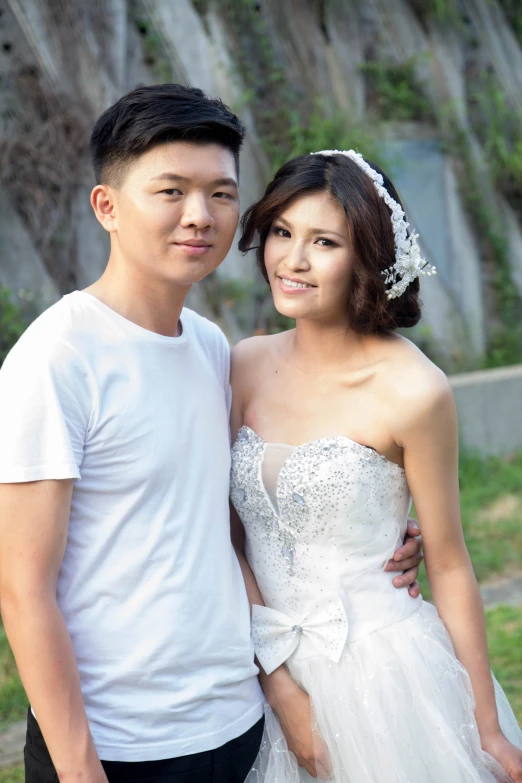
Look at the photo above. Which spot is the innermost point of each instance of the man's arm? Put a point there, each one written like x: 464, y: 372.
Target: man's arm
x: 34, y: 519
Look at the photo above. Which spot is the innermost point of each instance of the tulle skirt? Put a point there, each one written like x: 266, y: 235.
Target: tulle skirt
x: 397, y: 708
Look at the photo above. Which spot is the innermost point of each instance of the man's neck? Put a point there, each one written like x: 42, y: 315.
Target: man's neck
x: 153, y: 305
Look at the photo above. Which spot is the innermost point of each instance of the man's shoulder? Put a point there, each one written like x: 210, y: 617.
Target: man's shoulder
x: 205, y: 329
x: 51, y: 337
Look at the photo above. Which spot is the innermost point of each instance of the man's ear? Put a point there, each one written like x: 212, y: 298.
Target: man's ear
x: 104, y: 206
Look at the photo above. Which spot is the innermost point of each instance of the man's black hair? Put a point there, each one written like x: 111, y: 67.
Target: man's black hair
x: 153, y: 115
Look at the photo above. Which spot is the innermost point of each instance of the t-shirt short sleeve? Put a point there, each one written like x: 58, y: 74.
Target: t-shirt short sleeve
x: 224, y: 350
x: 44, y: 412
x: 226, y: 381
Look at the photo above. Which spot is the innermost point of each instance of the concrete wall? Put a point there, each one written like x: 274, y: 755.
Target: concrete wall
x: 489, y: 405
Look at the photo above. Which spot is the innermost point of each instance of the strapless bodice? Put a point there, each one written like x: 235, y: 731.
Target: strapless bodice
x: 318, y: 554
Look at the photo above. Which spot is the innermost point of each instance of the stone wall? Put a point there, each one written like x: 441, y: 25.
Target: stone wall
x: 83, y: 56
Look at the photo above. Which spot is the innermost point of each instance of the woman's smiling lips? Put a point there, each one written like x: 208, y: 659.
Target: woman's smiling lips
x: 193, y: 247
x: 293, y: 285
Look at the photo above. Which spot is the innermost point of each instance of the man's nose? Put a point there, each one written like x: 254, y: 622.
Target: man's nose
x: 196, y: 212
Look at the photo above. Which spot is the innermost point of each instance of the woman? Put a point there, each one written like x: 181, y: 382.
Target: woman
x: 338, y: 421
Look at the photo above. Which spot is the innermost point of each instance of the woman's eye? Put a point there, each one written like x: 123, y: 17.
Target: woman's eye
x: 326, y: 242
x: 281, y: 232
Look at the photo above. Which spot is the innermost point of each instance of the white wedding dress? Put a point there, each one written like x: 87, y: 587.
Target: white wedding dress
x: 390, y: 699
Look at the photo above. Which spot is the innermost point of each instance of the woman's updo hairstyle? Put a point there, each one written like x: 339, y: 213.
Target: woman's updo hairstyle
x: 369, y: 222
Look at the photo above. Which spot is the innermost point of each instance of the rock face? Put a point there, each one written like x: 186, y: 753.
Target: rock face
x: 279, y: 63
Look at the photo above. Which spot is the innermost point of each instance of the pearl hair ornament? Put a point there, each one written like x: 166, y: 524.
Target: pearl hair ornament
x: 409, y: 263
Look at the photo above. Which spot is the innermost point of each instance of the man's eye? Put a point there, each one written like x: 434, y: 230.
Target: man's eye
x: 226, y: 196
x: 171, y: 192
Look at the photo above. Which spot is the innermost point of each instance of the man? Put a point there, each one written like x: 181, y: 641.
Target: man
x: 121, y: 595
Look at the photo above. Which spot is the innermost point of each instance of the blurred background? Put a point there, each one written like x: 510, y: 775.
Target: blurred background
x: 431, y: 90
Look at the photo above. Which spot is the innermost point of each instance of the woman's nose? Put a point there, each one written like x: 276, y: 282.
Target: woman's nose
x: 297, y: 257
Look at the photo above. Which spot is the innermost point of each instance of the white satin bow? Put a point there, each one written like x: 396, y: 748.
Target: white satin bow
x: 276, y: 636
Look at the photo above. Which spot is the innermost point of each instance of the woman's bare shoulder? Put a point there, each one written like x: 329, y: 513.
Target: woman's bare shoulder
x: 249, y: 356
x: 251, y: 350
x: 415, y: 384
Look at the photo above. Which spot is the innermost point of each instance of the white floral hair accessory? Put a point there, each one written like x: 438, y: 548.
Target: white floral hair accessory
x: 408, y: 261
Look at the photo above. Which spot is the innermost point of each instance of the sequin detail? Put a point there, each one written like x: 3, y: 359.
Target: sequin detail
x: 302, y: 496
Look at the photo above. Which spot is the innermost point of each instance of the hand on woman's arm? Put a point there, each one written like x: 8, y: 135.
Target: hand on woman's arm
x: 407, y: 560
x: 430, y: 441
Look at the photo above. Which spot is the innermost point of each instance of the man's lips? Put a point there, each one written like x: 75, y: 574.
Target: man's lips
x: 193, y: 247
x: 194, y: 242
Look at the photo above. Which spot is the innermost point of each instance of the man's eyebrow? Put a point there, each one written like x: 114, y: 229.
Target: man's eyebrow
x: 222, y: 181
x: 225, y: 181
x: 313, y: 230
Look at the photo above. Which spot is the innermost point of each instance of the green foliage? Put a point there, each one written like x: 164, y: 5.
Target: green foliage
x: 504, y: 627
x: 394, y: 91
x: 323, y: 132
x: 493, y: 537
x: 12, y: 775
x: 505, y: 348
x: 267, y: 90
x: 287, y: 124
x: 494, y: 540
x: 12, y: 323
x: 13, y: 701
x: 201, y: 6
x: 506, y: 339
x: 499, y: 127
x: 513, y: 12
x: 443, y: 10
x: 153, y: 43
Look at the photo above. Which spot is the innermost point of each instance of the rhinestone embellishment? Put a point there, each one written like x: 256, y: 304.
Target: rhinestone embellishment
x: 297, y: 629
x: 321, y: 486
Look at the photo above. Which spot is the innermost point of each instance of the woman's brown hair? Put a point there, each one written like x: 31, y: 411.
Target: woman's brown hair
x: 369, y: 221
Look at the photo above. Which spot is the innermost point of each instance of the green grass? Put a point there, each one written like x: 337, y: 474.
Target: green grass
x: 504, y: 626
x: 491, y: 505
x: 13, y: 702
x: 12, y: 775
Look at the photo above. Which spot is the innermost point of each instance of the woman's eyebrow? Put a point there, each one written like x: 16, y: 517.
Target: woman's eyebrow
x: 313, y: 230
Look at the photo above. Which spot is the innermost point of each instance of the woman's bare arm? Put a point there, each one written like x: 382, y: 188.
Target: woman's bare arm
x: 429, y: 434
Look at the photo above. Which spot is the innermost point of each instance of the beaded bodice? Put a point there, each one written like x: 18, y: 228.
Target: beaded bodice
x: 320, y: 552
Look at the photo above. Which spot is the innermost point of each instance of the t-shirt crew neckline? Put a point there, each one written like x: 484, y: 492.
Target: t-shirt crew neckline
x: 136, y: 328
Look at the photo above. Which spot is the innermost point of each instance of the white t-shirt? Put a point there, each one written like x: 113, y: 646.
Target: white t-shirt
x: 150, y: 587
